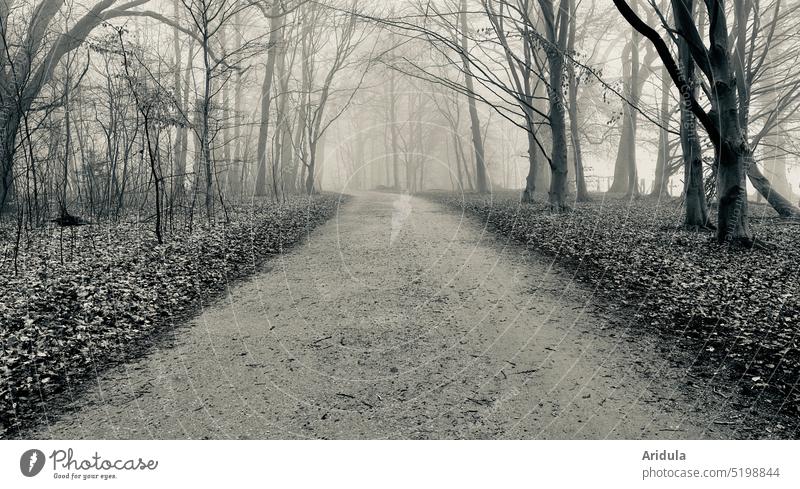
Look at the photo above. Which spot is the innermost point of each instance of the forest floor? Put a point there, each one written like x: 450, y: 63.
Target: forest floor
x: 402, y: 318
x: 75, y: 301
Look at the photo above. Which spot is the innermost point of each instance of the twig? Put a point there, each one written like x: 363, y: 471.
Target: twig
x: 321, y: 339
x: 721, y: 394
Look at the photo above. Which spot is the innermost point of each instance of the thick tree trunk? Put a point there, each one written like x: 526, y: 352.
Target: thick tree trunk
x: 625, y: 174
x: 732, y: 151
x: 625, y: 170
x: 734, y: 158
x: 558, y: 165
x: 696, y: 210
x: 732, y: 223
x: 696, y: 216
x: 620, y: 182
x: 555, y: 61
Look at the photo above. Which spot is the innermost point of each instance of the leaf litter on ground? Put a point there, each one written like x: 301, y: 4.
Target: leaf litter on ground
x: 118, y: 289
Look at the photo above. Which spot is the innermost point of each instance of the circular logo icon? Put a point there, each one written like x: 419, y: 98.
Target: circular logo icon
x: 31, y: 462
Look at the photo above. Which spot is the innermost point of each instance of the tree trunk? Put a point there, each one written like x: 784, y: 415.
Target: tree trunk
x: 393, y: 130
x: 477, y: 140
x: 281, y: 139
x: 310, y: 171
x: 538, y: 173
x: 734, y: 158
x: 633, y: 116
x: 457, y: 154
x: 555, y: 61
x: 775, y: 162
x: 662, y: 162
x: 8, y: 140
x: 266, y: 98
x: 236, y: 168
x: 778, y: 202
x: 205, y: 136
x: 732, y: 150
x: 180, y: 132
x: 694, y: 189
x: 581, y: 192
x: 558, y: 165
x: 528, y: 195
x: 782, y: 206
x: 620, y: 182
x: 224, y: 166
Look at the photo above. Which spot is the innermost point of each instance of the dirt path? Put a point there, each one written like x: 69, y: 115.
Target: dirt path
x: 399, y: 319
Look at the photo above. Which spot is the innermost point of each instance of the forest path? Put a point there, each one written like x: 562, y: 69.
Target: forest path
x: 399, y: 319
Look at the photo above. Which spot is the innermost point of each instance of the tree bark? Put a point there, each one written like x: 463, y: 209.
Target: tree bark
x: 555, y: 60
x: 696, y: 216
x: 781, y: 204
x: 180, y: 133
x: 477, y: 140
x: 633, y: 115
x: 393, y: 130
x: 662, y: 161
x: 205, y: 134
x: 538, y: 172
x: 581, y: 192
x: 266, y: 99
x: 8, y: 138
x: 775, y: 162
x: 732, y: 151
x: 235, y: 177
x: 626, y: 142
x: 528, y: 194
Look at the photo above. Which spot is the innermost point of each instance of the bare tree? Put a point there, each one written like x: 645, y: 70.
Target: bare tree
x: 27, y: 64
x: 340, y: 32
x: 732, y: 150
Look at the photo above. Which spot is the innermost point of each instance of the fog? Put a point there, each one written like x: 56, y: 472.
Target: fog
x: 273, y: 98
x: 444, y: 219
